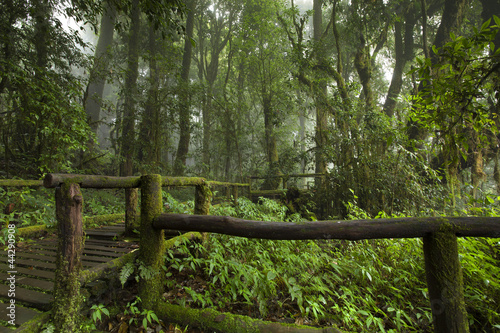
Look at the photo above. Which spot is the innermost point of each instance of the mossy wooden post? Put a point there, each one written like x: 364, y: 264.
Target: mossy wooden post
x: 152, y: 245
x: 202, y: 197
x: 67, y: 299
x: 445, y: 282
x: 131, y: 218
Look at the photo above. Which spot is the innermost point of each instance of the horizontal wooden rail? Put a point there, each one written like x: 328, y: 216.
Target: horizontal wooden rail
x: 53, y: 180
x: 214, y: 182
x: 350, y: 230
x: 296, y: 175
x: 20, y: 182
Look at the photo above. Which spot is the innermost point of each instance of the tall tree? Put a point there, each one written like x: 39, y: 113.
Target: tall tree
x: 98, y: 74
x: 130, y: 91
x: 214, y: 28
x: 150, y: 131
x: 184, y: 94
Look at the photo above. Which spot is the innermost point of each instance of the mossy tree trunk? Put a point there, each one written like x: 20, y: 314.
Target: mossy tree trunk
x: 67, y: 299
x: 445, y: 283
x: 151, y: 240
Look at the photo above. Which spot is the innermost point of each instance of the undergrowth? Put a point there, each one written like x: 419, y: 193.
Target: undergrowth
x: 29, y: 206
x: 365, y: 286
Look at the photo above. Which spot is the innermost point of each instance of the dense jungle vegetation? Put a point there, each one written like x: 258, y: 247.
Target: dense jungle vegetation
x: 395, y: 101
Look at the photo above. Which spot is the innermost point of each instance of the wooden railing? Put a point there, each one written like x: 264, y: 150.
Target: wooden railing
x: 442, y: 266
x: 283, y: 179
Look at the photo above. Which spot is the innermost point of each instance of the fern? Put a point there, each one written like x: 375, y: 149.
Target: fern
x: 126, y: 272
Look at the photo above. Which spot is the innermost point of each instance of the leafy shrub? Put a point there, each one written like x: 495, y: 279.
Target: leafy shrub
x: 367, y: 286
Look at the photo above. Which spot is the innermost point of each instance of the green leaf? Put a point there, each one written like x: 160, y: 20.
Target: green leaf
x: 497, y: 20
x: 485, y: 25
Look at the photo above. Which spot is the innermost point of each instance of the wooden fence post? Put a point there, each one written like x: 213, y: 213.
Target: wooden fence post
x: 131, y: 218
x: 152, y: 245
x: 445, y: 282
x: 202, y: 196
x: 67, y: 299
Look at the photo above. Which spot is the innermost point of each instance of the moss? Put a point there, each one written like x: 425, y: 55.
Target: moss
x: 103, y: 219
x: 32, y: 231
x: 20, y: 182
x: 202, y: 198
x: 182, y: 181
x: 35, y: 324
x: 445, y: 280
x: 131, y: 214
x: 152, y: 240
x: 210, y: 319
x: 67, y: 298
x: 91, y: 181
x: 110, y: 267
x: 187, y: 236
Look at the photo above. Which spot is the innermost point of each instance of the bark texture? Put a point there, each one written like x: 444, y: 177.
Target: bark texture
x: 67, y: 298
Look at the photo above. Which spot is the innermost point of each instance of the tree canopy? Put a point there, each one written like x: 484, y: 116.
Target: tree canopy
x: 392, y: 100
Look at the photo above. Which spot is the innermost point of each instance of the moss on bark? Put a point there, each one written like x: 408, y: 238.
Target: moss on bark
x: 101, y: 219
x: 35, y: 324
x: 202, y: 198
x: 152, y: 241
x: 212, y: 320
x: 445, y: 281
x: 20, y: 182
x: 67, y: 298
x: 131, y: 215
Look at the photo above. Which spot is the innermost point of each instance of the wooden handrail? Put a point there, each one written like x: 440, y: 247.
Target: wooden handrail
x: 410, y: 227
x: 20, y: 182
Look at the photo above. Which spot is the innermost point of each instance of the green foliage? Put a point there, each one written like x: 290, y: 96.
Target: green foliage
x: 458, y: 86
x: 98, y: 311
x: 368, y: 286
x: 135, y: 313
x: 48, y: 328
x: 126, y: 271
x: 102, y: 202
x: 36, y: 206
x: 30, y: 206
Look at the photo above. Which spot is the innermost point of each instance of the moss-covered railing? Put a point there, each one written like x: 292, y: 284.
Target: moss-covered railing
x: 442, y: 266
x: 69, y: 202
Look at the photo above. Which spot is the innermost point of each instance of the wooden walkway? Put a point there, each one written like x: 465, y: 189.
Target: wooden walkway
x: 35, y: 270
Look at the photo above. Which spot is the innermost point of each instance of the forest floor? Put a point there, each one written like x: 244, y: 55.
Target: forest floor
x: 121, y: 320
x: 124, y: 321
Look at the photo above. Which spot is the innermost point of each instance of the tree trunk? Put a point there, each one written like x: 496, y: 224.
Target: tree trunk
x: 97, y: 78
x: 404, y: 53
x: 184, y: 107
x: 67, y: 298
x: 270, y: 136
x: 130, y: 92
x: 149, y: 135
x: 362, y: 62
x: 320, y: 92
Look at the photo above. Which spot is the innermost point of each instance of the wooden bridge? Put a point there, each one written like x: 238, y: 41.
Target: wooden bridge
x: 35, y: 265
x: 439, y: 243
